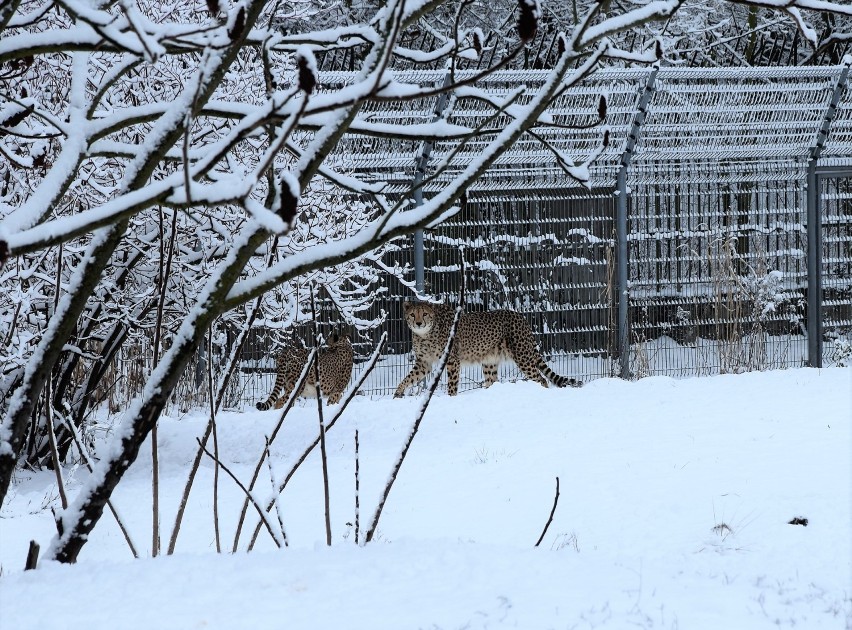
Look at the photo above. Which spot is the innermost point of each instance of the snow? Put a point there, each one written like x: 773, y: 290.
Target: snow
x: 619, y: 22
x: 420, y: 56
x: 675, y: 498
x: 45, y: 197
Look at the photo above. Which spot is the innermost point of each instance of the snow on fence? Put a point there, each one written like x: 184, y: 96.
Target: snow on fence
x: 691, y: 252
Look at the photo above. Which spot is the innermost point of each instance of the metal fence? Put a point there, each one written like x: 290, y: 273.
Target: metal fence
x: 716, y: 235
x: 835, y: 195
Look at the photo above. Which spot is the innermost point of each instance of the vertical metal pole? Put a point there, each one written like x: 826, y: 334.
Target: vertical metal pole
x: 419, y: 174
x: 814, y: 216
x: 814, y: 268
x: 621, y: 277
x: 419, y: 260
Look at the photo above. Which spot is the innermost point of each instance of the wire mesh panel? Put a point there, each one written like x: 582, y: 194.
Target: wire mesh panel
x: 255, y: 374
x: 717, y: 269
x: 543, y: 255
x: 836, y: 204
x: 735, y: 113
x: 531, y: 163
x: 838, y: 146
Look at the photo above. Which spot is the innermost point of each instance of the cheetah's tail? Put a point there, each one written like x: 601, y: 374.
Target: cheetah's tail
x: 558, y: 379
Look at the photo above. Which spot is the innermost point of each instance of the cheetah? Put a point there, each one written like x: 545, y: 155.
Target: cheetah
x: 335, y: 366
x: 483, y: 338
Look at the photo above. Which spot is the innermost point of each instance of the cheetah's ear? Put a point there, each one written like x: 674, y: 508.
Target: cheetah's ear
x: 407, y: 305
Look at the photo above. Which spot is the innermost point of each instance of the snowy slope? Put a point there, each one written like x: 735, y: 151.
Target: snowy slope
x: 673, y: 513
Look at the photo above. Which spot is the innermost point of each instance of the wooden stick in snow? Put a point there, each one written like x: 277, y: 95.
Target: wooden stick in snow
x: 552, y: 512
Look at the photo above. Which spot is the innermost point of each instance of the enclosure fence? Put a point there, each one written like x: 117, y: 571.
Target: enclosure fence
x: 715, y: 234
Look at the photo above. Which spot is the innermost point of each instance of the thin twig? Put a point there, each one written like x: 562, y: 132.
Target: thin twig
x: 155, y: 493
x: 215, y: 441
x: 342, y: 407
x: 51, y: 438
x: 48, y: 402
x: 552, y: 512
x: 442, y: 364
x: 248, y: 494
x: 164, y: 271
x: 275, y: 498
x: 323, y: 453
x: 357, y: 490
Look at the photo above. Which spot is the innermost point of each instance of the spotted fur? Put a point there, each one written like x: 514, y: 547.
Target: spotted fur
x: 335, y: 366
x: 484, y: 338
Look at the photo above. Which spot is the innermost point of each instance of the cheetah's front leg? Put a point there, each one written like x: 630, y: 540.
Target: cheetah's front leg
x: 453, y: 366
x: 417, y: 374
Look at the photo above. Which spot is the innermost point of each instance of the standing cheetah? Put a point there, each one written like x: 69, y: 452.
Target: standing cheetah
x: 335, y: 366
x: 483, y: 338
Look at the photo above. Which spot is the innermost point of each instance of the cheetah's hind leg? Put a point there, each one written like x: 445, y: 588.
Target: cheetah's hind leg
x: 489, y: 371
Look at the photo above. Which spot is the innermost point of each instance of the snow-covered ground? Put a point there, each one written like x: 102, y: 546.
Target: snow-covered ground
x: 675, y: 498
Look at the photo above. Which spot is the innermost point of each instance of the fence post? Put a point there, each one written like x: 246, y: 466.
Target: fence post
x: 814, y: 218
x: 621, y: 234
x: 814, y: 268
x: 419, y: 174
x: 621, y: 276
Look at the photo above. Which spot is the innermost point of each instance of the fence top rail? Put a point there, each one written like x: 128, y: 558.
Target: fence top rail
x: 516, y: 77
x: 708, y: 114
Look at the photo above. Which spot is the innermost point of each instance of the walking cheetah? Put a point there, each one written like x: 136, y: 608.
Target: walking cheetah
x: 335, y: 366
x: 483, y: 338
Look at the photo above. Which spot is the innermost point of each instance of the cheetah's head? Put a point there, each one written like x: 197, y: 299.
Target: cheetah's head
x: 419, y: 316
x: 338, y: 338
